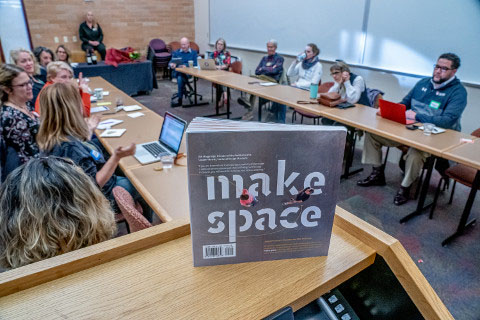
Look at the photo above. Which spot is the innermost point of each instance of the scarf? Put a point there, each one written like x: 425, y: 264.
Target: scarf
x: 308, y: 63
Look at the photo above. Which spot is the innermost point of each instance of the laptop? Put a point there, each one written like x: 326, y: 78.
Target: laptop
x: 207, y: 64
x: 168, y: 143
x: 394, y: 111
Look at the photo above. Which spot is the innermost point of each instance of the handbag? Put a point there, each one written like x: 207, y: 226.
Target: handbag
x: 330, y: 99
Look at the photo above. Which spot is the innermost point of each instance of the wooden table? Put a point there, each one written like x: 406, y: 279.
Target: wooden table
x: 152, y: 276
x: 469, y: 155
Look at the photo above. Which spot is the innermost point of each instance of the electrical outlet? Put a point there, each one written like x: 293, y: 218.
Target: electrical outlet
x: 74, y: 39
x: 55, y: 39
x: 65, y: 39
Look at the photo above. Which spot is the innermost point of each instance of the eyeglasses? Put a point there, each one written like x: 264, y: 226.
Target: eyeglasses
x: 24, y: 85
x: 444, y: 69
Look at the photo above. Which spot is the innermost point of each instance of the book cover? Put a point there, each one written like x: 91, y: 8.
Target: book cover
x: 261, y: 191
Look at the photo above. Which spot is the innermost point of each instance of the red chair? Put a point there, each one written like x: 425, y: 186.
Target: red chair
x: 173, y: 46
x: 316, y: 118
x: 132, y: 213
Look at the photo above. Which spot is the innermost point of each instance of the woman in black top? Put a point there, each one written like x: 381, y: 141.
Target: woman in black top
x: 26, y: 60
x: 19, y: 124
x: 91, y: 35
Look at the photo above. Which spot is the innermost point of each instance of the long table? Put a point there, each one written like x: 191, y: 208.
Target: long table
x: 361, y: 117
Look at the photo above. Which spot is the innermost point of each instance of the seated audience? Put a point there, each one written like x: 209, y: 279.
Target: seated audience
x: 44, y: 56
x: 19, y: 124
x: 63, y: 54
x: 25, y: 59
x: 59, y: 71
x: 350, y: 86
x: 91, y: 35
x: 270, y: 69
x: 307, y: 67
x: 64, y: 133
x: 222, y: 60
x: 185, y: 54
x: 440, y: 100
x: 50, y: 207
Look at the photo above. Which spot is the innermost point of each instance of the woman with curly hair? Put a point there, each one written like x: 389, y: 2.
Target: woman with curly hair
x: 49, y: 207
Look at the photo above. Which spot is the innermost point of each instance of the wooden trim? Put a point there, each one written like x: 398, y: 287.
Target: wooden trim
x: 397, y: 258
x: 27, y: 25
x: 57, y: 267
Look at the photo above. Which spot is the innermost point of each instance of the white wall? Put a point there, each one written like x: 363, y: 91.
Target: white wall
x: 395, y: 86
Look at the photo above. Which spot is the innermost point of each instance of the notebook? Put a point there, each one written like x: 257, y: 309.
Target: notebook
x: 394, y: 111
x: 207, y: 64
x: 168, y: 143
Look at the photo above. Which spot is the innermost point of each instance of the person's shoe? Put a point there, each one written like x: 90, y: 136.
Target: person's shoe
x: 402, y: 196
x: 376, y: 178
x: 176, y: 104
x: 248, y: 116
x: 244, y: 102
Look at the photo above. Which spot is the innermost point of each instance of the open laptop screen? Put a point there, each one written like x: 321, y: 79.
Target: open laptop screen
x: 172, y: 132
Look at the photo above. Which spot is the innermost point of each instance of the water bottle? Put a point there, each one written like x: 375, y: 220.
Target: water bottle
x: 301, y: 56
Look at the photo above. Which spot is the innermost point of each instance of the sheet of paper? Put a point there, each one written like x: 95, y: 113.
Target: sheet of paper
x: 107, y: 124
x: 132, y: 108
x: 136, y: 115
x: 268, y: 84
x: 98, y: 109
x: 106, y: 93
x: 112, y: 133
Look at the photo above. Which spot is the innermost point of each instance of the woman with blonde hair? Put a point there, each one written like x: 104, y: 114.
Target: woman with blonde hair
x: 222, y: 59
x: 91, y: 35
x: 25, y: 59
x: 64, y: 133
x: 58, y: 71
x: 49, y: 207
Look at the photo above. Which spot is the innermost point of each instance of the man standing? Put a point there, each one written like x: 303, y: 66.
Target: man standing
x: 440, y: 100
x: 270, y: 69
x: 180, y: 59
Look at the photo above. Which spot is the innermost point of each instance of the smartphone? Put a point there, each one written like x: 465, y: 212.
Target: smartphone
x: 411, y: 127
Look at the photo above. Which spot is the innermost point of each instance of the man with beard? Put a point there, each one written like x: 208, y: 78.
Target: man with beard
x: 440, y: 100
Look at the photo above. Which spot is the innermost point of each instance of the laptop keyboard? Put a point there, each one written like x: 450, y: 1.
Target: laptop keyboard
x: 155, y: 149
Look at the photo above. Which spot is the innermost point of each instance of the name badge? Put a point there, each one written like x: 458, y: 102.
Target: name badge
x: 268, y: 64
x: 434, y: 104
x: 95, y: 154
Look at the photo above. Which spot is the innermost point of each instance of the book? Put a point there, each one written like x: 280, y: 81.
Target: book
x: 112, y: 133
x: 261, y: 191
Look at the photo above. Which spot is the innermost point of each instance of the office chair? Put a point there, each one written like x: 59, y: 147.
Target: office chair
x: 322, y: 88
x: 132, y: 213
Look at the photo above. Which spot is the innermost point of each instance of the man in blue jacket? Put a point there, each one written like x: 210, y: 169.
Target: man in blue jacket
x: 180, y: 59
x: 440, y: 100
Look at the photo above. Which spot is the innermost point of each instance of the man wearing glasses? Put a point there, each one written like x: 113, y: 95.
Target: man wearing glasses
x: 439, y: 100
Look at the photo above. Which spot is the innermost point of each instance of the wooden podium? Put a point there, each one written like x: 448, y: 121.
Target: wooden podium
x: 150, y: 275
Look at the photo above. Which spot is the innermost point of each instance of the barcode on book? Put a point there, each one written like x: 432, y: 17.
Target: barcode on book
x: 219, y: 251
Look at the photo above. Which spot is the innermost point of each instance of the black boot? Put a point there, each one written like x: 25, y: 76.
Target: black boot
x: 376, y: 178
x: 402, y: 196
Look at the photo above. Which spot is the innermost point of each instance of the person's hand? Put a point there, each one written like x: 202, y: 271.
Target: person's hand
x: 82, y: 83
x: 94, y: 43
x: 410, y: 114
x: 92, y: 122
x: 345, y: 76
x: 122, y: 152
x: 172, y: 65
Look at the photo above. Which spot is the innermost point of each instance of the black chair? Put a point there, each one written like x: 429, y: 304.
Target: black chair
x: 159, y: 55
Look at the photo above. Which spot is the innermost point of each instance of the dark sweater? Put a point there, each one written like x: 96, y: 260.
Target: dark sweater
x: 86, y: 34
x: 443, y: 107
